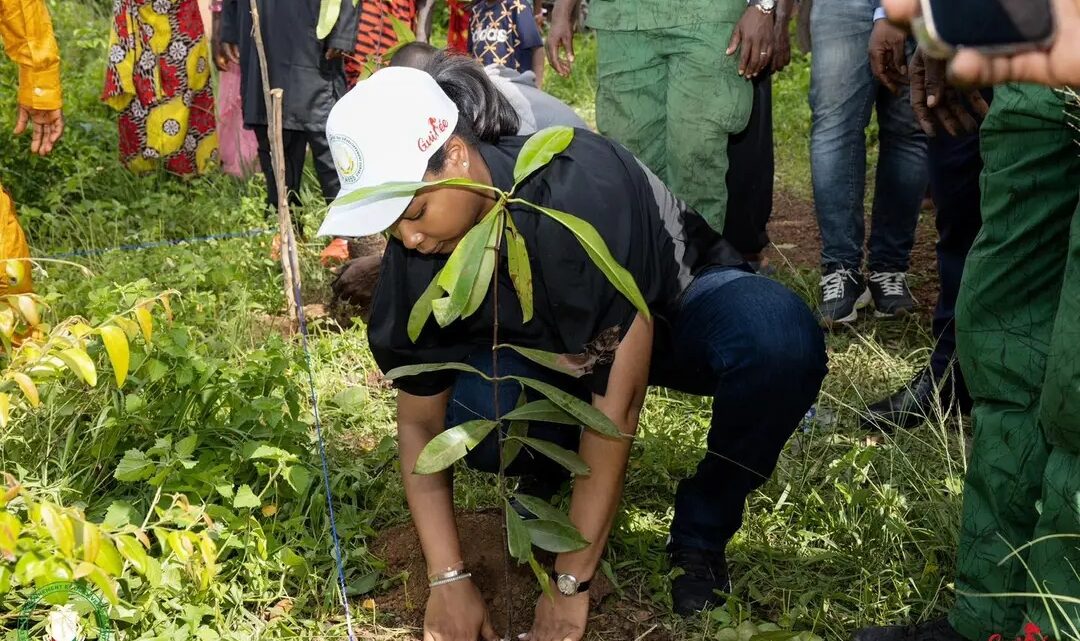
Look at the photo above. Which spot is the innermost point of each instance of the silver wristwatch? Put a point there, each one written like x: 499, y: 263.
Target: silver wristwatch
x: 765, y: 6
x: 568, y: 585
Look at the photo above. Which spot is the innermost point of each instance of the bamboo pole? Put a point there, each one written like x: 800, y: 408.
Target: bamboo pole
x: 273, y: 101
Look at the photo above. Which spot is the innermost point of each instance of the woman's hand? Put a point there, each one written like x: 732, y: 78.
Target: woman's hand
x: 559, y: 618
x: 560, y: 40
x: 456, y: 612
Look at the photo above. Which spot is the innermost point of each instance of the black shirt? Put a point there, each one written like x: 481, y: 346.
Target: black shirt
x: 657, y: 238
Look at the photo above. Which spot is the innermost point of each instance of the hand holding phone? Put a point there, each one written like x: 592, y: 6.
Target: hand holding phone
x: 1053, y: 62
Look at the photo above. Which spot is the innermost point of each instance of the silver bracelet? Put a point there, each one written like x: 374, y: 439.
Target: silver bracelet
x: 449, y: 574
x: 457, y: 576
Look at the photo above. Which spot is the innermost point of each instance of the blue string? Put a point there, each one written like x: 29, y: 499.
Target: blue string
x: 83, y: 253
x: 301, y: 318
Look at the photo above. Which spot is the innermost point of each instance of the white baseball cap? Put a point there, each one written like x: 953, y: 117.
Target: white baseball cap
x: 385, y: 129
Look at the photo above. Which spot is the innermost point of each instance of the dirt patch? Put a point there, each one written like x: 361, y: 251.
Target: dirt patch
x: 796, y: 244
x: 482, y: 543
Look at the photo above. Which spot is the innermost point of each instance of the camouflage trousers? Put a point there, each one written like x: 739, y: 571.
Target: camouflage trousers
x: 1018, y: 340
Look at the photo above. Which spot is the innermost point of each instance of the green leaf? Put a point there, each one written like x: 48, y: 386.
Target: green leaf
x: 462, y: 269
x: 440, y: 308
x: 549, y: 360
x: 451, y: 445
x: 422, y: 308
x: 517, y: 535
x: 401, y: 30
x: 225, y: 489
x: 555, y: 537
x: 299, y: 478
x: 5, y: 580
x: 133, y: 551
x: 598, y: 251
x: 119, y: 514
x: 185, y: 447
x: 245, y: 498
x: 59, y: 527
x: 511, y: 446
x: 363, y: 585
x: 134, y: 466
x: 258, y: 450
x: 520, y: 269
x: 542, y: 509
x: 483, y: 282
x: 589, y: 416
x: 98, y: 577
x: 562, y: 456
x: 108, y: 558
x: 539, y: 149
x: 328, y: 16
x: 543, y: 411
x: 541, y: 577
x: 397, y: 189
x: 352, y: 400
x: 413, y: 370
x: 10, y: 528
x: 133, y: 403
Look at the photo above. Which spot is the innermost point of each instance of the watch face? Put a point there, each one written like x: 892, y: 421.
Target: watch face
x: 567, y: 585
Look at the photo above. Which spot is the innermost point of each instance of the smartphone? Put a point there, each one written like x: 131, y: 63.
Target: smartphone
x: 990, y: 26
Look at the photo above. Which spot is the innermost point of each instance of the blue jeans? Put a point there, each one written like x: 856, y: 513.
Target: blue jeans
x: 843, y: 92
x: 743, y: 339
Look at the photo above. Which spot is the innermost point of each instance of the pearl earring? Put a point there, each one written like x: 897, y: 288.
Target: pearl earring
x: 465, y: 164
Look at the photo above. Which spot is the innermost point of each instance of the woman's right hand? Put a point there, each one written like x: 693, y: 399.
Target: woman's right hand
x: 456, y: 612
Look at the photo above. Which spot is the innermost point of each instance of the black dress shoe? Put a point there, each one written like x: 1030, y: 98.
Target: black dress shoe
x: 910, y: 406
x: 704, y: 574
x: 934, y: 630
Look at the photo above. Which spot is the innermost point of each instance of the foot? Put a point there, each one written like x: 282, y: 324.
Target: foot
x: 908, y: 407
x: 843, y: 294
x: 892, y: 298
x: 704, y: 574
x: 934, y: 630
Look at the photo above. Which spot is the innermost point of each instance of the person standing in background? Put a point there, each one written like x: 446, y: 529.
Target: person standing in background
x: 751, y: 169
x: 848, y: 37
x: 158, y: 79
x: 312, y: 75
x: 26, y: 34
x: 375, y: 33
x: 239, y: 148
x: 457, y: 33
x: 673, y: 85
x: 505, y: 33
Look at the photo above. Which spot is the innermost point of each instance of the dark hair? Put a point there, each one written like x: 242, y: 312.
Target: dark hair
x: 414, y: 54
x: 485, y: 114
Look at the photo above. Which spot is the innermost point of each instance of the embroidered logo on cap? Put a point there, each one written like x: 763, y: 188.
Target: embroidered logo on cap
x: 436, y: 128
x: 347, y: 158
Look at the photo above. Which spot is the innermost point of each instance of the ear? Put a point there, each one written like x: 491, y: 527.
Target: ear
x: 457, y: 154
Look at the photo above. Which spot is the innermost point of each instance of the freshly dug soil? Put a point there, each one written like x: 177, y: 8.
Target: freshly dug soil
x: 483, y: 551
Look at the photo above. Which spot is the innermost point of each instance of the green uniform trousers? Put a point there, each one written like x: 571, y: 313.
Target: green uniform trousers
x: 672, y: 96
x: 1018, y: 339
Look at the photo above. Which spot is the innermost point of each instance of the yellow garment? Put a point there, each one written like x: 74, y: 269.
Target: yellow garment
x: 14, y: 274
x: 27, y: 35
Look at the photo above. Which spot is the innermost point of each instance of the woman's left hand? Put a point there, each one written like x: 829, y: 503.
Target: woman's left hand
x: 560, y: 618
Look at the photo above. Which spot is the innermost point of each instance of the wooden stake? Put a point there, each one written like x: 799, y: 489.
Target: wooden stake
x: 273, y: 101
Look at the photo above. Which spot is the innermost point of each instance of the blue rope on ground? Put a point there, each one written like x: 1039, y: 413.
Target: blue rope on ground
x: 84, y: 253
x: 301, y: 318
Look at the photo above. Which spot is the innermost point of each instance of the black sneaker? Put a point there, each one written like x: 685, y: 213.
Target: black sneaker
x: 843, y: 294
x: 934, y: 630
x: 704, y: 574
x: 892, y: 298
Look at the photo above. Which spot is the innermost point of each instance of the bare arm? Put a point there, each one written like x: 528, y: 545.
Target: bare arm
x: 538, y: 66
x: 420, y: 419
x: 596, y: 497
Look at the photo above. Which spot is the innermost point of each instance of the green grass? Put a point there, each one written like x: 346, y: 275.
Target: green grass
x: 847, y: 533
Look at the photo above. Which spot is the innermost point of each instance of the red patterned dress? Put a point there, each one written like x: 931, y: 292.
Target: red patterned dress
x: 457, y: 36
x: 158, y: 78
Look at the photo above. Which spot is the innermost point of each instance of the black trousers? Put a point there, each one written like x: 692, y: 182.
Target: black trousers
x: 955, y: 166
x: 750, y: 175
x: 296, y: 144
